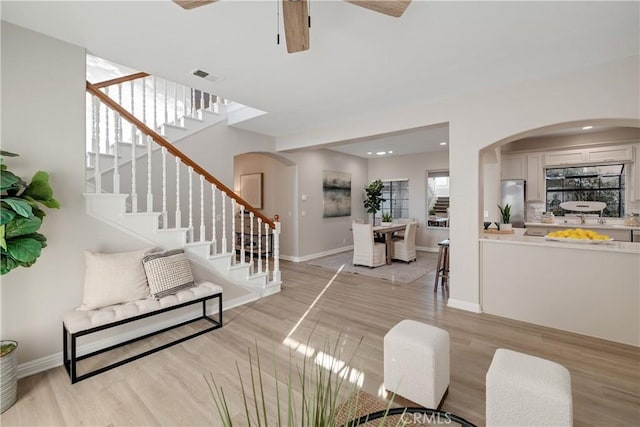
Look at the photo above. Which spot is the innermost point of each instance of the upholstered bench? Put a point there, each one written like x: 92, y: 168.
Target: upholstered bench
x: 525, y: 390
x: 416, y: 363
x: 79, y: 323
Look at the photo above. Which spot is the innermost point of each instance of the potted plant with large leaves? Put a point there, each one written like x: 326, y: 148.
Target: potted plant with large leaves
x: 21, y: 216
x: 373, y: 200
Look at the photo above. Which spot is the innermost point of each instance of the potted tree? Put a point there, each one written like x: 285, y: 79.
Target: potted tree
x: 20, y: 246
x: 373, y: 198
x: 505, y: 212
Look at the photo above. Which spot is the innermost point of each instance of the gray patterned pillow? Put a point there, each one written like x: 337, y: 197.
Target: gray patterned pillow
x: 167, y: 272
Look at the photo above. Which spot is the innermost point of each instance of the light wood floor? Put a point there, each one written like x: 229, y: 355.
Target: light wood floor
x: 168, y: 388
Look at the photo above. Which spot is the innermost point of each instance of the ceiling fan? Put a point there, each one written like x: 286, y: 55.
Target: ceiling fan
x: 295, y: 15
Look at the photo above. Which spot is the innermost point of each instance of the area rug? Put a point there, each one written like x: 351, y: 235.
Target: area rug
x: 398, y: 272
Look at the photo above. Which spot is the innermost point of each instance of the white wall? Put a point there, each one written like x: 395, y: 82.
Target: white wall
x: 414, y: 167
x: 608, y: 91
x: 318, y: 235
x: 43, y: 97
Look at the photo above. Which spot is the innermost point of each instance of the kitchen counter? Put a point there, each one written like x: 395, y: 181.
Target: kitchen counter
x: 618, y: 232
x: 520, y: 239
x: 589, y: 225
x: 586, y: 288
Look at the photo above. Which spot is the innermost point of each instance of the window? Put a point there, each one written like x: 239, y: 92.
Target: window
x: 396, y: 195
x: 600, y: 183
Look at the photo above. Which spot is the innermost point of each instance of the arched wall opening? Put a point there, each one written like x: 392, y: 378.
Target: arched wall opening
x: 549, y: 139
x: 279, y: 189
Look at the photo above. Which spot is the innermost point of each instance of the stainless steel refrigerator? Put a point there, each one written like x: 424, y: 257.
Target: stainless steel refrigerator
x: 512, y: 191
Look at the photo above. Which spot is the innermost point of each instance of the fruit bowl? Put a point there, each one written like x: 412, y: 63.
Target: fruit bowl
x: 578, y: 235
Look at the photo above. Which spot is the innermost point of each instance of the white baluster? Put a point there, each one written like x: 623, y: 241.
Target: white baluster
x: 134, y: 195
x: 276, y: 252
x: 201, y: 104
x: 149, y: 192
x: 224, y: 223
x: 96, y: 145
x: 259, y: 245
x: 116, y: 162
x: 165, y: 219
x: 178, y: 212
x: 202, y: 230
x: 119, y: 117
x: 133, y: 109
x: 233, y: 231
x: 214, y: 238
x: 175, y: 104
x: 211, y: 98
x: 242, y: 255
x: 190, y: 204
x: 166, y: 107
x: 266, y: 249
x: 193, y: 102
x: 251, y: 242
x: 184, y: 100
x: 155, y: 104
x: 144, y: 101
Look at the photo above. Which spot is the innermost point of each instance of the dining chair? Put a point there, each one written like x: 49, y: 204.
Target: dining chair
x: 400, y: 234
x: 365, y: 250
x: 405, y: 249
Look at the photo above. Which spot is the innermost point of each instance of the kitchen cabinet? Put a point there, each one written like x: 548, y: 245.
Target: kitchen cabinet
x: 561, y: 158
x: 535, y: 178
x: 623, y: 153
x: 513, y: 167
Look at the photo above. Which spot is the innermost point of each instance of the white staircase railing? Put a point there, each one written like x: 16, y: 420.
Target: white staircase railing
x: 142, y: 165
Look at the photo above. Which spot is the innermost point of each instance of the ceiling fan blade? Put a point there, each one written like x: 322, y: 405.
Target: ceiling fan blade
x: 296, y: 25
x: 190, y: 4
x: 388, y: 7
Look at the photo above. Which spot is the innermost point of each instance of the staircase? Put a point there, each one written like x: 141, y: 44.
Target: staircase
x: 441, y: 206
x: 138, y: 182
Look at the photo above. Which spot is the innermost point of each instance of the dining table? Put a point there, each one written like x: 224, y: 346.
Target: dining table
x: 387, y: 231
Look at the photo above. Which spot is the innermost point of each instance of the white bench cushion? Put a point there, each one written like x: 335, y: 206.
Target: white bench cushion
x: 81, y: 320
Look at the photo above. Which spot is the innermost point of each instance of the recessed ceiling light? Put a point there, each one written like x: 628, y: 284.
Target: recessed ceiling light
x: 381, y: 153
x: 443, y: 143
x: 390, y: 152
x: 587, y: 127
x: 369, y: 153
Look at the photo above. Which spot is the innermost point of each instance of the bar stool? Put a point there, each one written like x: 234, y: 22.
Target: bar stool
x: 442, y: 267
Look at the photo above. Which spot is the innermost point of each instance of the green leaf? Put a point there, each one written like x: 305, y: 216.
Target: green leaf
x: 39, y: 189
x: 22, y: 226
x: 20, y: 207
x: 7, y: 264
x: 6, y: 215
x: 8, y: 154
x: 3, y: 241
x: 24, y: 250
x: 7, y: 179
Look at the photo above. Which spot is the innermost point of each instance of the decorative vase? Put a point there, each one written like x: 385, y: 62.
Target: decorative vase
x: 9, y: 370
x: 383, y: 223
x: 505, y: 227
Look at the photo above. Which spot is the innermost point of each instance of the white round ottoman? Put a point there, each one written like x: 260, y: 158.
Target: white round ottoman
x: 525, y: 390
x: 416, y: 362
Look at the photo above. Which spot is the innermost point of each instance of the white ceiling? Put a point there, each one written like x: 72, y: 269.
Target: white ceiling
x: 359, y: 60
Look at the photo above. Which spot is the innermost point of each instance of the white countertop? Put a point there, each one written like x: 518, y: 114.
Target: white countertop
x: 578, y: 225
x: 518, y: 238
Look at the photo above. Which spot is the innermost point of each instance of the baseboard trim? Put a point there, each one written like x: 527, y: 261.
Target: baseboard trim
x: 464, y: 305
x: 54, y: 360
x: 426, y: 249
x: 321, y: 254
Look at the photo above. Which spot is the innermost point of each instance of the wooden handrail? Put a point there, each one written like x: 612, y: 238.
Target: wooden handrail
x: 120, y: 80
x: 160, y: 140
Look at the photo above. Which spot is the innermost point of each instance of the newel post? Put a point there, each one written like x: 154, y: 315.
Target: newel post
x: 276, y: 249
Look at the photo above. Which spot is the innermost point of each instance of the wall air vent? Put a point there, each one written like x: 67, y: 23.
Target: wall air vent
x: 203, y: 74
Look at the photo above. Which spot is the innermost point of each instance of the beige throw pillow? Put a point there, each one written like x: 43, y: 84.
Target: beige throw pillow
x: 114, y: 278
